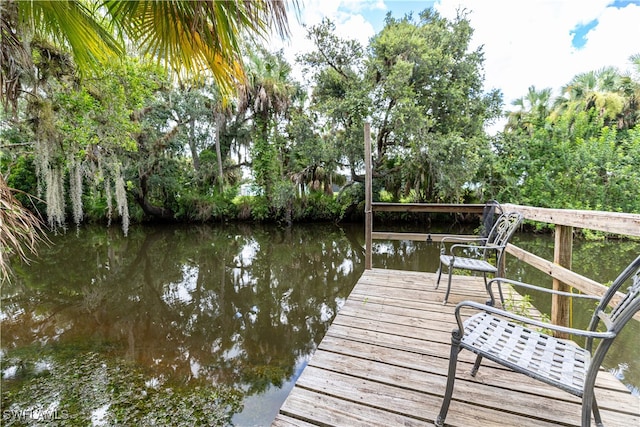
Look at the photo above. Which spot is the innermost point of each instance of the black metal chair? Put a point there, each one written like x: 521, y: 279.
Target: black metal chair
x: 475, y: 253
x: 508, y: 339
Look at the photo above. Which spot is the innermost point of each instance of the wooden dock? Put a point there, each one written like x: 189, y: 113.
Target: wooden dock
x: 383, y: 362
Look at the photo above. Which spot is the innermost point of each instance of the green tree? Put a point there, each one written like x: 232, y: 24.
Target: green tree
x: 186, y: 36
x: 430, y: 105
x: 340, y: 98
x: 595, y: 92
x: 576, y: 151
x: 421, y: 86
x: 533, y: 110
x: 268, y: 95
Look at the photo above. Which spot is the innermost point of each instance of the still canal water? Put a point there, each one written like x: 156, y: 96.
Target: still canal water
x: 202, y: 325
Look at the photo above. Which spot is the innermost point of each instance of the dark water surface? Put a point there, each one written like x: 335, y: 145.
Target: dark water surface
x: 204, y: 325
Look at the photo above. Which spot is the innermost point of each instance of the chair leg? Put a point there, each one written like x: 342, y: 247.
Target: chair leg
x: 590, y: 405
x: 446, y: 295
x: 476, y: 366
x: 596, y: 414
x: 439, y: 274
x: 451, y: 377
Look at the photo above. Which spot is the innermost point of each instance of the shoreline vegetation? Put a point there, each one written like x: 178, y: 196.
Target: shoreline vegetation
x: 135, y: 139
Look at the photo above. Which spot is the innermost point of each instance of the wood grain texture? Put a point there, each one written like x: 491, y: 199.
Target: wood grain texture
x: 383, y: 362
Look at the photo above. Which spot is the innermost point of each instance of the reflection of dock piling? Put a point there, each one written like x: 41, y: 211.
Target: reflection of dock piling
x: 384, y: 362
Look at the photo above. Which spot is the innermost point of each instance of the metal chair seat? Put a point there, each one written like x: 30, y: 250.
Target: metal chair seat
x: 468, y: 264
x: 554, y: 361
x: 514, y: 341
x: 475, y: 254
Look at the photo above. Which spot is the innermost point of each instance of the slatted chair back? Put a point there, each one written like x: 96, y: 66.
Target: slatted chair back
x: 500, y: 233
x: 472, y: 256
x: 504, y: 228
x: 615, y: 319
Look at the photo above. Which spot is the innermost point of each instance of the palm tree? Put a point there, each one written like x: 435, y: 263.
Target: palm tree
x: 630, y: 87
x: 599, y: 90
x: 27, y: 24
x: 189, y: 37
x: 268, y: 93
x: 21, y: 230
x: 194, y: 36
x: 532, y: 110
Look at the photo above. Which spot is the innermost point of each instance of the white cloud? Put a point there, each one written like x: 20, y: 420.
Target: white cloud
x: 360, y: 5
x: 530, y: 42
x: 346, y: 15
x: 526, y: 42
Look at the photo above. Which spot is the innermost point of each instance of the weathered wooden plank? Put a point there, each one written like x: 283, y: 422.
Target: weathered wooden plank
x: 418, y: 237
x: 563, y: 250
x: 393, y: 314
x: 583, y: 284
x: 418, y: 406
x: 390, y: 365
x: 286, y: 421
x: 442, y: 319
x: 325, y: 410
x: 384, y: 323
x: 428, y: 207
x: 558, y: 272
x: 368, y: 182
x: 384, y: 361
x: 362, y: 302
x: 426, y: 291
x: 434, y: 347
x: 386, y: 378
x: 610, y: 222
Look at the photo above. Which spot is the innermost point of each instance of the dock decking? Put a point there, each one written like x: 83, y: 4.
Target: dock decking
x: 383, y: 362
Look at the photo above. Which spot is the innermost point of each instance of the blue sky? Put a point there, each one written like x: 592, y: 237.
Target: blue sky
x: 541, y: 43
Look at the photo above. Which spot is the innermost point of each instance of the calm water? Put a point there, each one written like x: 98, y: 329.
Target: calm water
x: 202, y: 325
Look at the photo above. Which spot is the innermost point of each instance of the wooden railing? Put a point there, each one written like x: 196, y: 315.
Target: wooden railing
x: 564, y: 220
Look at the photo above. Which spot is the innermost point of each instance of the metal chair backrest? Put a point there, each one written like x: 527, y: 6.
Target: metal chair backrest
x: 617, y: 318
x: 503, y: 229
x: 625, y: 309
x: 630, y: 299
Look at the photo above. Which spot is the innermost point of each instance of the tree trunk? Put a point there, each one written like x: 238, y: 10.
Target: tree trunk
x: 219, y: 119
x: 195, y: 158
x: 157, y: 212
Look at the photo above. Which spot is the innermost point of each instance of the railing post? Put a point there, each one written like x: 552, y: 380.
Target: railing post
x: 368, y: 214
x: 563, y: 248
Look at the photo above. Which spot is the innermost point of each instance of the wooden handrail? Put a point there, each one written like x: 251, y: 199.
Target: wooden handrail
x: 427, y: 207
x: 417, y: 237
x: 564, y: 219
x: 610, y: 222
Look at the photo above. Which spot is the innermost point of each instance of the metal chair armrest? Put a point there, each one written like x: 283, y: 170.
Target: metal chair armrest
x: 448, y: 239
x: 541, y: 289
x: 458, y: 247
x: 453, y: 239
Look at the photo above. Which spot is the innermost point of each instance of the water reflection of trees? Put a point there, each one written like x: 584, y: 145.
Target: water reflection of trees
x: 231, y: 304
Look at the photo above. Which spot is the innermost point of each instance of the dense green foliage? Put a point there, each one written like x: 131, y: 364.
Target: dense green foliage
x: 128, y: 142
x: 580, y: 151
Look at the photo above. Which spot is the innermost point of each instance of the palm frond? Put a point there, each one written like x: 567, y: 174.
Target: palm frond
x: 71, y: 23
x: 20, y: 231
x: 201, y: 35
